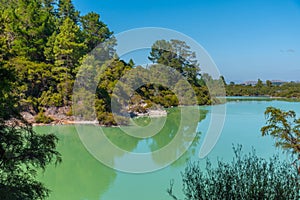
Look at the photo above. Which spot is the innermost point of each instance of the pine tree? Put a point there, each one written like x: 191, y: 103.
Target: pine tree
x: 178, y: 55
x: 27, y: 25
x: 94, y: 30
x: 66, y: 10
x: 68, y: 46
x: 68, y: 49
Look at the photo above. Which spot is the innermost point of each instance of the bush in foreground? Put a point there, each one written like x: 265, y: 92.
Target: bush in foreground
x: 246, y: 177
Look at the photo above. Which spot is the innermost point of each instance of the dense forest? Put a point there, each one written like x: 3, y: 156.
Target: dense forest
x: 45, y: 41
x: 47, y: 44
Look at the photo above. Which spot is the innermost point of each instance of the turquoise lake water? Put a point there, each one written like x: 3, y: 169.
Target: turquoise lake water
x: 82, y: 177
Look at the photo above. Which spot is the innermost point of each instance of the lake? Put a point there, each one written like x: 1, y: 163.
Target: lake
x: 82, y: 177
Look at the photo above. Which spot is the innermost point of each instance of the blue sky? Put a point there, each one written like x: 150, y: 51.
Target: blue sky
x: 247, y: 39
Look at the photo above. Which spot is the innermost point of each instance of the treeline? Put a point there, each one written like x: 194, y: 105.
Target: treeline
x: 46, y: 41
x: 284, y: 90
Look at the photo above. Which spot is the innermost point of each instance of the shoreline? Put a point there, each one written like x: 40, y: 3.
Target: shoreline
x: 295, y: 99
x: 66, y: 122
x: 58, y: 116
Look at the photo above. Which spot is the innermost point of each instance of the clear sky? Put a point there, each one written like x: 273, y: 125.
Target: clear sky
x: 247, y: 39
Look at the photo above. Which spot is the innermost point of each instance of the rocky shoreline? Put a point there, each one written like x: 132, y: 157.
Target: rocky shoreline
x: 56, y: 116
x: 150, y: 113
x: 61, y: 116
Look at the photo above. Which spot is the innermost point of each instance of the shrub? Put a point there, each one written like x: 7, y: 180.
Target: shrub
x: 108, y: 119
x: 246, y: 177
x: 42, y: 118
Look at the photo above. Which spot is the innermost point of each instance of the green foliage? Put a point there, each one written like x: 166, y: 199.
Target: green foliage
x: 7, y: 98
x: 68, y: 46
x: 22, y: 151
x: 287, y: 90
x: 27, y: 25
x: 94, y: 30
x: 284, y: 127
x: 66, y: 10
x: 246, y: 177
x: 50, y: 98
x: 259, y: 84
x: 49, y: 48
x: 108, y: 119
x: 33, y: 79
x: 45, y: 42
x: 42, y: 118
x: 108, y: 78
x: 178, y: 55
x: 203, y: 95
x: 268, y: 83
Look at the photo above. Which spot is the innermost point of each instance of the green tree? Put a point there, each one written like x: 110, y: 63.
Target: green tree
x: 94, y: 30
x: 67, y: 50
x: 259, y: 83
x: 49, y: 5
x: 68, y: 46
x: 33, y: 79
x: 49, y: 48
x: 22, y: 151
x: 284, y: 127
x: 108, y: 76
x: 178, y: 55
x: 66, y: 9
x: 222, y: 79
x: 268, y: 83
x: 27, y: 25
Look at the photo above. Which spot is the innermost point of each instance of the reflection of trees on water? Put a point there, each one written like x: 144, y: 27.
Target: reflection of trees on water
x: 79, y: 176
x: 182, y: 160
x: 189, y: 137
x: 121, y: 139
